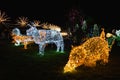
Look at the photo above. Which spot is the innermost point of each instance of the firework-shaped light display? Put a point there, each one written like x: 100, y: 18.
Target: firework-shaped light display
x: 3, y: 17
x: 22, y: 21
x: 51, y: 27
x: 36, y: 23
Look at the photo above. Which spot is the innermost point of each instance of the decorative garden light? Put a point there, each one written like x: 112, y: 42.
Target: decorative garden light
x: 51, y: 27
x: 84, y: 26
x: 22, y: 21
x: 111, y: 38
x: 36, y: 23
x: 64, y: 33
x: 18, y: 38
x: 117, y: 32
x: 93, y: 50
x: 95, y: 30
x: 42, y: 37
x: 3, y: 17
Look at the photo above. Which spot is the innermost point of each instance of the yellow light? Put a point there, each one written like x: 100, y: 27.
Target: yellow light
x: 109, y: 35
x: 93, y: 50
x: 22, y: 21
x: 3, y: 17
x: 64, y: 33
x: 51, y: 27
x: 36, y: 23
x: 23, y: 40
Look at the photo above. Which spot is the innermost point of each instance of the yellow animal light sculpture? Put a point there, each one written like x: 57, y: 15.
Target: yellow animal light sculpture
x: 18, y: 38
x: 93, y: 50
x: 25, y: 40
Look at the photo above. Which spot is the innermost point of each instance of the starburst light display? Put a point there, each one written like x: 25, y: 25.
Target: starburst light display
x: 22, y: 21
x: 51, y: 27
x: 36, y: 23
x: 3, y: 17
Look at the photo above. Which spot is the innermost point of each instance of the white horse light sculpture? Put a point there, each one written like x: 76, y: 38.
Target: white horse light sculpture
x: 18, y: 38
x: 42, y: 37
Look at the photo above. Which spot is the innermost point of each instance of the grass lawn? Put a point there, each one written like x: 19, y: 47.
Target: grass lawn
x: 16, y: 63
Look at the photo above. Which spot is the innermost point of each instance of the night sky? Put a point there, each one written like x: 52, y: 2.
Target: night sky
x: 104, y: 13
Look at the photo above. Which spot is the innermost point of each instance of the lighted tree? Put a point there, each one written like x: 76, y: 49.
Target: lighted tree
x: 95, y: 30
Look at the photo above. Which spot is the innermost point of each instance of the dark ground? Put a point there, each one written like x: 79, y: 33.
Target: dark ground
x: 19, y: 64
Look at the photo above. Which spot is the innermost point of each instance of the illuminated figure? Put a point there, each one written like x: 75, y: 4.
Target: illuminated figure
x: 87, y: 54
x: 18, y: 38
x: 111, y: 38
x: 42, y: 37
x: 95, y: 30
x: 118, y: 37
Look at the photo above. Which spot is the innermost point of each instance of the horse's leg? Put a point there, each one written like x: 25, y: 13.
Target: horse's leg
x: 58, y: 46
x: 62, y: 46
x: 41, y: 49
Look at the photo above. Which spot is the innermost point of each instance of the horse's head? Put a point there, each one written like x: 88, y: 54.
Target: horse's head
x: 31, y: 31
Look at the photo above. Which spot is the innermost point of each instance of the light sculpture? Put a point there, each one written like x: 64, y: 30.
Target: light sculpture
x: 111, y: 38
x: 117, y: 32
x: 118, y: 37
x: 22, y: 21
x: 18, y: 38
x: 43, y: 37
x: 95, y: 30
x: 51, y: 27
x: 3, y: 17
x: 87, y: 54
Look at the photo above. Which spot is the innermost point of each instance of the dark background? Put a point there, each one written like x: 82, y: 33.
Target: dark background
x: 105, y: 13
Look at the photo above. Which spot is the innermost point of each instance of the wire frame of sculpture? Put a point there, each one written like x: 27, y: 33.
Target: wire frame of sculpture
x: 18, y: 38
x: 43, y: 37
